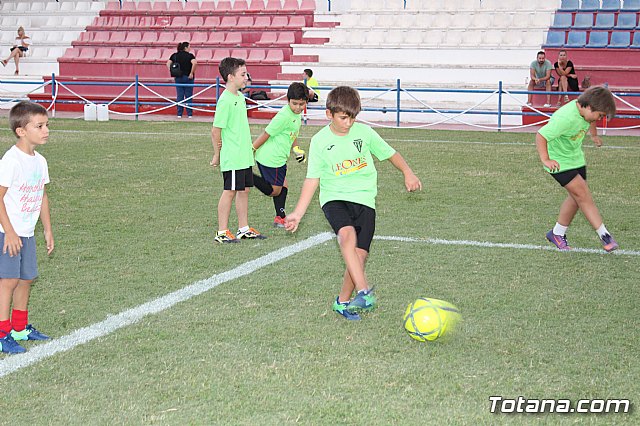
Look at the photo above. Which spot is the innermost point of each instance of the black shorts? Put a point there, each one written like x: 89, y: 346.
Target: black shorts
x: 238, y: 180
x: 345, y: 213
x: 273, y: 175
x: 567, y: 176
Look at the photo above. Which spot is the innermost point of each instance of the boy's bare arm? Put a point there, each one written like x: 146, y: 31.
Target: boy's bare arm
x: 260, y: 140
x: 306, y: 195
x: 541, y: 146
x: 12, y: 242
x: 45, y: 217
x: 411, y: 181
x: 216, y: 140
x: 593, y: 132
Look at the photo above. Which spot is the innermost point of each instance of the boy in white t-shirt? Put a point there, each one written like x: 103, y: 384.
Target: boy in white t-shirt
x: 23, y: 176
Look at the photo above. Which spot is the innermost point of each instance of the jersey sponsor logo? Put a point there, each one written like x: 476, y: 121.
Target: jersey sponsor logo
x: 330, y: 147
x: 349, y: 166
x: 358, y: 144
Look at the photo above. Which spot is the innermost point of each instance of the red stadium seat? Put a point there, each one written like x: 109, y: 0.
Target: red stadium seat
x: 220, y: 54
x: 117, y: 37
x: 153, y: 55
x: 182, y: 36
x: 308, y: 6
x: 274, y: 55
x: 234, y: 38
x: 128, y: 5
x: 179, y: 21
x: 192, y: 6
x: 206, y: 6
x: 176, y: 6
x: 212, y: 22
x: 133, y: 37
x: 103, y: 53
x: 279, y: 22
x: 119, y: 53
x: 166, y: 37
x: 71, y: 53
x: 268, y: 38
x: 136, y: 54
x: 149, y: 37
x: 195, y: 22
x: 143, y: 6
x: 101, y: 37
x: 216, y: 38
x: 245, y: 22
x: 239, y: 53
x: 262, y: 22
x: 199, y: 38
x: 256, y: 6
x: 159, y: 6
x: 256, y: 55
x: 204, y: 55
x: 223, y: 6
x: 240, y: 6
x: 297, y: 21
x: 286, y: 38
x: 113, y: 5
x: 290, y: 6
x: 273, y: 5
x: 229, y: 22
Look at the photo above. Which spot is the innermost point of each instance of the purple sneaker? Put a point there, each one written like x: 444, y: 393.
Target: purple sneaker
x: 560, y: 241
x: 608, y: 243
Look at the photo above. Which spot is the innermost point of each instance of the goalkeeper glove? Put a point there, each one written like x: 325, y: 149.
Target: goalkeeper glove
x: 301, y: 156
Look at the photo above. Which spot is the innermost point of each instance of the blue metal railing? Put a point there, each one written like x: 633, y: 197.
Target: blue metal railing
x: 58, y: 85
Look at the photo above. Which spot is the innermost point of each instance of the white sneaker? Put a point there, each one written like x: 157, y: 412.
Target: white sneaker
x: 547, y: 105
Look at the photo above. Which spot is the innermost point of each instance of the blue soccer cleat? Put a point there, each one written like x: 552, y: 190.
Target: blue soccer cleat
x: 364, y: 301
x: 9, y: 346
x: 29, y: 333
x: 341, y: 309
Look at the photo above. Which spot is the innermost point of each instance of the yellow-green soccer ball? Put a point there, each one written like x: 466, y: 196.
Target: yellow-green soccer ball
x: 428, y: 319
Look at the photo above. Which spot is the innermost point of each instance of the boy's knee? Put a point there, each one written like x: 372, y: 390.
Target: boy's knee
x: 276, y: 191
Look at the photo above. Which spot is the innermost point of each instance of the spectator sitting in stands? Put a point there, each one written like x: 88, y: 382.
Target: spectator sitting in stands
x: 19, y: 49
x: 567, y: 77
x: 246, y: 91
x: 312, y: 85
x: 540, y: 77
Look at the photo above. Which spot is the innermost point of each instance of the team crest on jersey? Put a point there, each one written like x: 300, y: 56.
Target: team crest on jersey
x: 358, y: 144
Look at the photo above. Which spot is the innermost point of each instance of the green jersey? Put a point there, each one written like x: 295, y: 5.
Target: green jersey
x: 231, y: 117
x: 283, y: 130
x: 564, y: 134
x: 344, y: 164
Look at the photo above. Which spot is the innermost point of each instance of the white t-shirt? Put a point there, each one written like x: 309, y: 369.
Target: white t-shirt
x: 25, y: 175
x: 20, y: 41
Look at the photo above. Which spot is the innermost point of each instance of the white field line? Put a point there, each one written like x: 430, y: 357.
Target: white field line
x: 486, y: 244
x: 133, y: 315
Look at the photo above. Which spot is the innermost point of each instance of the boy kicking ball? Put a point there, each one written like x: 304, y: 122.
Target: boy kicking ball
x: 341, y: 164
x: 559, y: 144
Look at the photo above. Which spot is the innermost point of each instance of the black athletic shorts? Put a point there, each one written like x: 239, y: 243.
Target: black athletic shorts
x: 238, y: 180
x: 273, y: 175
x: 567, y: 176
x: 345, y: 213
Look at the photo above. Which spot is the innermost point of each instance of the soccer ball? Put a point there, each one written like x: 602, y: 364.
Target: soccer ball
x: 427, y: 319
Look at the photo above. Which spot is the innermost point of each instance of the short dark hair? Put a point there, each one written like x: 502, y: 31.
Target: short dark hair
x: 308, y: 72
x: 344, y: 99
x: 541, y: 52
x: 229, y: 65
x: 599, y: 99
x: 21, y: 114
x: 297, y: 91
x: 183, y: 45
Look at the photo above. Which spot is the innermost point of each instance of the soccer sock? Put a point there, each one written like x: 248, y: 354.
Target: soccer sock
x: 559, y: 229
x: 244, y: 229
x: 602, y: 231
x: 280, y: 201
x: 19, y: 319
x: 262, y: 185
x: 5, y: 328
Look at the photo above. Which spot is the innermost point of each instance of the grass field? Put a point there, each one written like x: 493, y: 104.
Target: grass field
x: 133, y: 209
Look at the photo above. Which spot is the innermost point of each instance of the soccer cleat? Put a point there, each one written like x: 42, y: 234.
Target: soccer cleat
x: 608, y: 243
x: 278, y: 222
x: 29, y: 333
x: 364, y: 301
x: 560, y: 241
x: 9, y: 346
x: 341, y: 309
x: 250, y: 234
x: 225, y: 237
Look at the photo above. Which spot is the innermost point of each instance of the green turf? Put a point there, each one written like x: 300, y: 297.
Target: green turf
x: 133, y: 208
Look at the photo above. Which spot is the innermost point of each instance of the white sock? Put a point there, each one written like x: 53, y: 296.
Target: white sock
x: 244, y: 228
x: 559, y: 229
x: 602, y: 231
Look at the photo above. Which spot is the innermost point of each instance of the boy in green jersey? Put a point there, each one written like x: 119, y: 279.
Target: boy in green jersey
x: 559, y: 145
x: 273, y: 147
x: 233, y: 152
x: 341, y: 164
